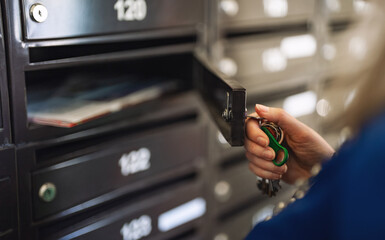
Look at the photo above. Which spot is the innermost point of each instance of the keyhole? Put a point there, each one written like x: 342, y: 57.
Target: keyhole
x: 48, y: 194
x: 38, y: 13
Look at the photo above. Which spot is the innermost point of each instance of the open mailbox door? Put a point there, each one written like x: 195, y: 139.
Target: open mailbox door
x: 225, y: 99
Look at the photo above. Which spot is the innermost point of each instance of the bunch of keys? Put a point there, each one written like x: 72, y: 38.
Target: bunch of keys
x: 276, y: 137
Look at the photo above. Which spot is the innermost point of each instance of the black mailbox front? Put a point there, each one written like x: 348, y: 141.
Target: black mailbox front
x: 47, y: 19
x: 225, y: 99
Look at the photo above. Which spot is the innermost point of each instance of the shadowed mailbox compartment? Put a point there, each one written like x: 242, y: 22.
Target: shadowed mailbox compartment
x: 118, y: 167
x: 71, y: 18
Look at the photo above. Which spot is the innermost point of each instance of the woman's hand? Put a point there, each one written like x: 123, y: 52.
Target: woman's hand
x: 306, y: 147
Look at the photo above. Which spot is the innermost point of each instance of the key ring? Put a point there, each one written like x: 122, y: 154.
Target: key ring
x: 276, y: 136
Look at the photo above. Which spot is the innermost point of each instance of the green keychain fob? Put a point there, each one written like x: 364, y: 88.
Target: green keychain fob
x: 281, y: 153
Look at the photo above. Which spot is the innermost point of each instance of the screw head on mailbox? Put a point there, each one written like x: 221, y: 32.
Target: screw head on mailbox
x: 47, y: 192
x: 38, y: 12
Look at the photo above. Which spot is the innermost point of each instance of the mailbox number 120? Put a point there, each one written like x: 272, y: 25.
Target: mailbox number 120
x: 131, y: 10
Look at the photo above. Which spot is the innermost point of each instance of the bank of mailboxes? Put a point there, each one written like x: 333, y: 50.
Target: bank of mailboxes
x: 109, y: 173
x: 136, y: 173
x: 142, y: 172
x: 246, y: 15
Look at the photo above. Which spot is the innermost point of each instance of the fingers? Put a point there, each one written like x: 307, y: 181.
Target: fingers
x: 260, y: 161
x: 265, y: 169
x: 265, y: 165
x: 257, y: 150
x: 258, y: 153
x: 255, y: 134
x: 279, y: 116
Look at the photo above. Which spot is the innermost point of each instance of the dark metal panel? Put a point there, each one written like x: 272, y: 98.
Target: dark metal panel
x: 4, y: 105
x: 8, y: 195
x: 225, y: 99
x: 73, y: 18
x: 220, y: 150
x: 141, y: 217
x: 11, y: 235
x: 25, y: 162
x: 116, y: 168
x: 17, y: 58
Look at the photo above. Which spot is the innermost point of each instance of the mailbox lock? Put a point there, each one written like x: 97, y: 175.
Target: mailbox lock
x: 38, y: 13
x: 47, y: 192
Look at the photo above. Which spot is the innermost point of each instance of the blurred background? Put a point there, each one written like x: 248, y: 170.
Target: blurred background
x: 105, y: 134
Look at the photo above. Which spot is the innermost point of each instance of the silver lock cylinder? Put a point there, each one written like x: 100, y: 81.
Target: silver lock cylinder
x: 38, y: 12
x: 47, y: 192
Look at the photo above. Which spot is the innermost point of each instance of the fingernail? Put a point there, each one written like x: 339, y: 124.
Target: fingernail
x: 268, y: 154
x: 262, y: 108
x: 261, y: 141
x: 285, y: 170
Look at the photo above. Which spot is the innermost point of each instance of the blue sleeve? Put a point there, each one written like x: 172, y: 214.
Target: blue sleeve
x: 301, y: 219
x: 347, y: 200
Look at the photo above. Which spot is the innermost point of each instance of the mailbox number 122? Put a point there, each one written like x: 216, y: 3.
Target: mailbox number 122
x: 131, y: 10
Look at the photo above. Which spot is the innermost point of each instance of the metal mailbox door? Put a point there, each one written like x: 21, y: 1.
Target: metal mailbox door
x: 225, y: 98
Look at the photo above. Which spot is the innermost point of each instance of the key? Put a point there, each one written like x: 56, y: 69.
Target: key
x: 266, y: 181
x: 262, y: 185
x: 276, y: 185
x: 270, y: 192
x: 268, y: 187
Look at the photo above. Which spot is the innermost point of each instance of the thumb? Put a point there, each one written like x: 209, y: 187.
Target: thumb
x: 279, y: 116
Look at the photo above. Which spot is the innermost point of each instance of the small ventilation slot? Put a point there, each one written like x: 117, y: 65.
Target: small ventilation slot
x: 41, y: 54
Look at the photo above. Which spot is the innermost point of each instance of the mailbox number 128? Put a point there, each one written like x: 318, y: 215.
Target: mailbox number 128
x: 131, y: 10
